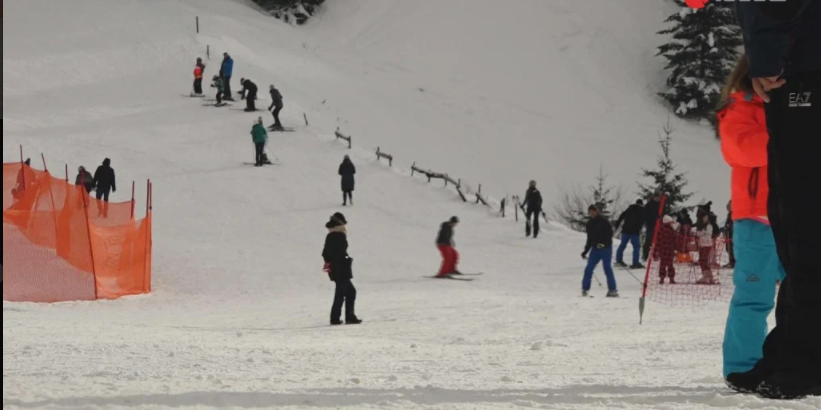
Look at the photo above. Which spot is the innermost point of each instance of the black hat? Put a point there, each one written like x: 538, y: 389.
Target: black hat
x: 454, y: 220
x: 216, y: 77
x: 593, y: 208
x: 639, y: 202
x: 708, y: 207
x: 339, y: 217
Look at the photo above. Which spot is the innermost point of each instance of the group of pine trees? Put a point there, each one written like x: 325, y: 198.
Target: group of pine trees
x: 291, y: 11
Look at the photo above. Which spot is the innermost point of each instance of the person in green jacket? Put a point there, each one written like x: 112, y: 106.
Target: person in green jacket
x: 220, y: 86
x: 260, y: 137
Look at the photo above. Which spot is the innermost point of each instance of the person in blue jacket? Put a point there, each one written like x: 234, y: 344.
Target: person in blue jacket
x: 226, y: 71
x: 783, y: 46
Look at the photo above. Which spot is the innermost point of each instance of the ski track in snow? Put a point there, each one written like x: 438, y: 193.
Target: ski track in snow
x: 239, y: 318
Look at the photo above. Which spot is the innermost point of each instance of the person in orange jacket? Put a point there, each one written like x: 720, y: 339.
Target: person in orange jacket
x: 742, y: 128
x: 199, y: 71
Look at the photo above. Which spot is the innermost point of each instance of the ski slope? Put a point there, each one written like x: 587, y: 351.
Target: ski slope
x: 239, y: 314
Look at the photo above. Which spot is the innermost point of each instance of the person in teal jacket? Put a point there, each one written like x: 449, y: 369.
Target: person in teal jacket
x: 220, y: 86
x: 260, y: 137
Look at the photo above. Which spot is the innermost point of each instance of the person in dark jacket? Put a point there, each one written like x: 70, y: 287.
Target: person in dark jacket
x: 783, y: 45
x: 633, y: 220
x: 728, y: 236
x: 219, y: 84
x: 533, y: 209
x: 347, y: 171
x: 249, y: 94
x: 444, y: 241
x: 84, y: 179
x: 600, y: 247
x: 651, y: 217
x: 276, y: 105
x: 105, y: 182
x: 226, y: 71
x: 338, y: 265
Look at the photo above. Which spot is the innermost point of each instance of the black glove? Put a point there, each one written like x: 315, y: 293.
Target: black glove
x: 584, y: 255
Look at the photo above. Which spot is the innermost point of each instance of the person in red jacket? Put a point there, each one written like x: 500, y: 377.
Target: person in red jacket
x: 199, y: 70
x: 666, y: 246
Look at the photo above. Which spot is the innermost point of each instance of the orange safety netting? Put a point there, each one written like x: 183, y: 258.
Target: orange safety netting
x: 59, y: 244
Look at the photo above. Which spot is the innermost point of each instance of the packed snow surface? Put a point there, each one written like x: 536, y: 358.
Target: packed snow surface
x: 495, y: 93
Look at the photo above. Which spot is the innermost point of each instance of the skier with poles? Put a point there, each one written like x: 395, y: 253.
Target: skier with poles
x: 533, y: 209
x: 600, y: 246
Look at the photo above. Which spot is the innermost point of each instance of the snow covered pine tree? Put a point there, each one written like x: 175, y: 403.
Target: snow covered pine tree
x: 703, y: 51
x: 291, y: 11
x: 665, y: 179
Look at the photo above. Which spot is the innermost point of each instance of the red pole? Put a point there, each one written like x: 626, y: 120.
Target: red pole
x: 133, y: 203
x: 45, y: 167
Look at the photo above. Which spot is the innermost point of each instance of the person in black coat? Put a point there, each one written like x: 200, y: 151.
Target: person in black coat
x: 651, y: 217
x: 633, y: 220
x: 105, y: 182
x: 347, y: 171
x: 84, y: 179
x: 249, y: 94
x: 338, y: 265
x: 533, y: 209
x: 276, y: 105
x: 600, y: 247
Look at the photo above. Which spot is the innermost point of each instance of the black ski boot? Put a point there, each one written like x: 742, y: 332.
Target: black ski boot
x: 789, y: 386
x: 621, y: 264
x: 354, y: 321
x: 637, y: 266
x: 746, y: 382
x: 613, y: 294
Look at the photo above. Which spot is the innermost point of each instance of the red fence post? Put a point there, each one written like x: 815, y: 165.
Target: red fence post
x: 643, y: 299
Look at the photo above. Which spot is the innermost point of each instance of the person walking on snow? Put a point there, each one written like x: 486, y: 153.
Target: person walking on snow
x: 347, y: 171
x: 728, y: 236
x: 339, y: 266
x: 199, y: 71
x: 105, y: 182
x: 444, y: 241
x: 533, y: 209
x: 226, y: 71
x: 249, y: 94
x: 651, y: 216
x: 600, y: 246
x: 704, y: 237
x: 260, y: 137
x: 666, y: 246
x: 276, y: 106
x: 84, y: 179
x: 742, y: 127
x: 220, y: 86
x: 633, y: 220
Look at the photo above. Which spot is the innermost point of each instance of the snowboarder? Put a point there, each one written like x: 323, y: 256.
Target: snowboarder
x: 444, y: 241
x: 199, y: 71
x: 633, y: 219
x: 220, y: 86
x: 666, y: 246
x: 226, y: 71
x: 276, y: 106
x: 84, y: 179
x: 600, y: 246
x: 249, y: 94
x: 260, y: 137
x: 533, y: 209
x: 105, y: 182
x: 704, y: 235
x: 338, y: 265
x: 651, y: 216
x: 743, y: 131
x: 347, y: 171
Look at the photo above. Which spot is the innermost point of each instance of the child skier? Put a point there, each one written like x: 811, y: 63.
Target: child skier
x: 704, y: 238
x: 220, y: 86
x: 743, y: 131
x: 666, y: 246
x: 444, y: 241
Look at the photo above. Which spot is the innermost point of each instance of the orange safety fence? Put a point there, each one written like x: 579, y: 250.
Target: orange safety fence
x: 60, y: 244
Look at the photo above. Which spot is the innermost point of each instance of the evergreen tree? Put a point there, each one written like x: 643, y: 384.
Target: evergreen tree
x: 705, y: 46
x: 573, y: 205
x: 665, y: 179
x: 291, y: 11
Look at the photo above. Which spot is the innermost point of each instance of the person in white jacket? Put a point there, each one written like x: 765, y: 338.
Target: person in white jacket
x: 704, y: 236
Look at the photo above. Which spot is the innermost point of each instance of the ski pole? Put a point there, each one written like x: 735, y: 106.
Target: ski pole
x: 634, y: 277
x: 595, y: 275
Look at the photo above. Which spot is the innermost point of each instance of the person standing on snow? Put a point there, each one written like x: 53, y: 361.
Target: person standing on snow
x: 651, y: 216
x: 444, y: 241
x: 633, y: 219
x: 728, y: 235
x: 199, y: 71
x: 84, y: 179
x: 226, y: 71
x: 260, y: 137
x: 220, y: 86
x: 338, y: 265
x: 666, y: 249
x: 276, y: 106
x: 704, y: 238
x: 249, y: 94
x: 347, y: 171
x: 105, y: 182
x: 600, y: 246
x: 533, y: 209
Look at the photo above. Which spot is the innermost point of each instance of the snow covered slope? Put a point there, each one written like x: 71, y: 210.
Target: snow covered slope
x: 239, y: 316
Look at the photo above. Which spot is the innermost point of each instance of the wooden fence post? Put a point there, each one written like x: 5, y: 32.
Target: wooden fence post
x: 198, y: 24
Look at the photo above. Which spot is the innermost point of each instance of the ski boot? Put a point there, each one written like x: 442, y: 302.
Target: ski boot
x: 638, y: 266
x: 621, y: 264
x: 585, y: 294
x: 354, y: 321
x: 613, y: 294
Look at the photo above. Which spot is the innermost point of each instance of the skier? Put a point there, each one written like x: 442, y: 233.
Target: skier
x: 338, y: 265
x: 84, y: 179
x: 105, y: 182
x: 600, y: 246
x: 704, y: 237
x: 226, y: 71
x: 533, y: 209
x: 743, y: 131
x: 220, y: 86
x: 199, y: 71
x: 347, y: 171
x: 633, y: 219
x: 249, y: 94
x: 260, y: 138
x: 651, y: 216
x: 666, y: 246
x: 444, y: 241
x: 728, y: 236
x: 276, y: 106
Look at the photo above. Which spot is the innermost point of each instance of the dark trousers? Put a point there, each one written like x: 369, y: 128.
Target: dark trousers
x: 533, y: 215
x: 347, y: 195
x: 226, y: 81
x: 102, y: 201
x: 648, y: 242
x: 345, y: 295
x: 276, y: 116
x: 198, y: 86
x: 251, y: 101
x: 219, y: 98
x: 259, y: 147
x: 794, y: 122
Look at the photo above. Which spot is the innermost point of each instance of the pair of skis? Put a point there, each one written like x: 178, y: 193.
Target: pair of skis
x: 459, y: 277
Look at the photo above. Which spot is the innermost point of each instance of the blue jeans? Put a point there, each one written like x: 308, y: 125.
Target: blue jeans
x: 600, y: 255
x: 635, y: 241
x: 757, y: 271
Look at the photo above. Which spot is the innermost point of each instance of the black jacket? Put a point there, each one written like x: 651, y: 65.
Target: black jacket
x: 633, y: 219
x: 249, y: 89
x: 651, y: 214
x: 599, y: 234
x: 445, y: 236
x: 335, y: 253
x: 781, y: 36
x: 85, y: 180
x: 104, y: 178
x: 684, y: 219
x: 347, y: 170
x: 533, y: 200
x: 276, y: 99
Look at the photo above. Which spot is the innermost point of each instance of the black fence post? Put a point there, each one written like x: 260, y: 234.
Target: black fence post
x: 198, y: 24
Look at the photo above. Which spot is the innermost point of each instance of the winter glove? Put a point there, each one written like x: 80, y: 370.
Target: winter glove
x: 584, y: 255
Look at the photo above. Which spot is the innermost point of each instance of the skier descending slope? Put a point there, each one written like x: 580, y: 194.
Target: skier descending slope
x: 276, y: 106
x: 633, y: 219
x: 338, y: 265
x: 444, y: 241
x: 533, y: 208
x: 600, y: 246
